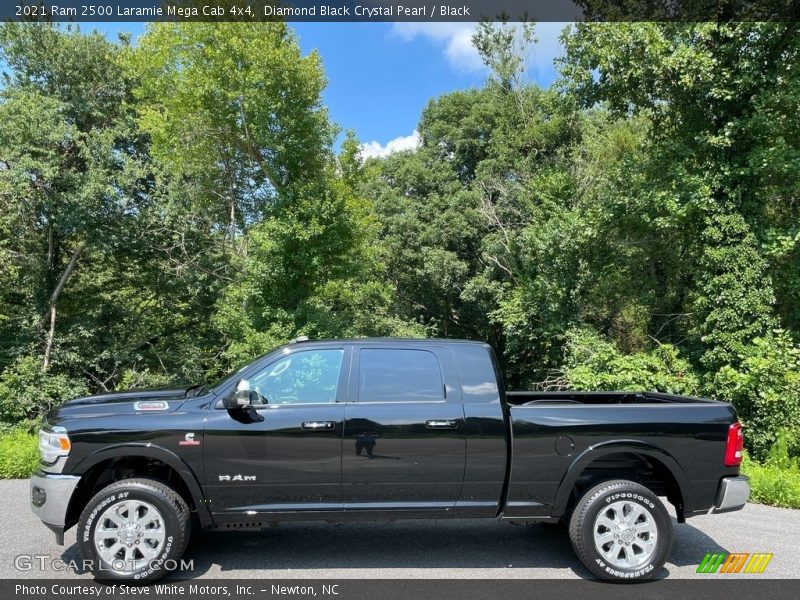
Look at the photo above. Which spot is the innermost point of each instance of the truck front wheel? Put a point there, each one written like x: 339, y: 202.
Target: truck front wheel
x: 134, y: 529
x: 621, y: 531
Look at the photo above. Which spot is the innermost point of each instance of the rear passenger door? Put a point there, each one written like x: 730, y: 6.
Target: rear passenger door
x: 404, y: 434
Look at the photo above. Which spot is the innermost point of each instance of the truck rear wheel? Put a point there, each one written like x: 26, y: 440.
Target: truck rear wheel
x: 621, y: 531
x: 134, y: 529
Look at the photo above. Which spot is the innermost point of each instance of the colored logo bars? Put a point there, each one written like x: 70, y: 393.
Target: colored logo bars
x: 736, y: 562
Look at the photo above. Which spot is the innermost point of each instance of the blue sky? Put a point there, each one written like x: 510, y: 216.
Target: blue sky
x: 381, y: 75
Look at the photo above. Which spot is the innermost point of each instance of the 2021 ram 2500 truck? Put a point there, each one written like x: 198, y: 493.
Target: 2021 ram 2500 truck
x: 372, y: 429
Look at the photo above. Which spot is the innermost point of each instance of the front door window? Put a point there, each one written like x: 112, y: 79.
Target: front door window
x: 310, y: 377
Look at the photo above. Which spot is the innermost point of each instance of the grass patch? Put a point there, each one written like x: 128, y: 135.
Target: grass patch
x: 772, y: 484
x: 19, y: 454
x: 776, y: 481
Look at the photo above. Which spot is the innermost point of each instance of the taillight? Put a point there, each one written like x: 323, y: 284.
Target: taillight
x: 734, y: 446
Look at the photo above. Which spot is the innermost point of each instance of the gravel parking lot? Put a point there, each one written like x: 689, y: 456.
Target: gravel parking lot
x: 461, y: 549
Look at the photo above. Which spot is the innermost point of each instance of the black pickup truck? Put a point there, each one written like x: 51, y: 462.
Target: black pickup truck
x: 374, y: 429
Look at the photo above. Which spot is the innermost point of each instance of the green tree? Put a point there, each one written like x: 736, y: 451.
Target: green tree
x: 69, y: 171
x: 709, y: 91
x: 236, y: 116
x: 237, y: 109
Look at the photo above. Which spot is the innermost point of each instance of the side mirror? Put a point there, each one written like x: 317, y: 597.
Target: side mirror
x: 238, y: 398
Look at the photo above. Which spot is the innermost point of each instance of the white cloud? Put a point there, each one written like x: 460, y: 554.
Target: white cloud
x: 398, y: 144
x: 455, y: 40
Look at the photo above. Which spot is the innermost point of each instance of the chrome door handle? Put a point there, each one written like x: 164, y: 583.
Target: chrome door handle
x: 318, y: 425
x: 441, y: 424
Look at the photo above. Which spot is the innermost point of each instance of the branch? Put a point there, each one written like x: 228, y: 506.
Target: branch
x: 67, y: 272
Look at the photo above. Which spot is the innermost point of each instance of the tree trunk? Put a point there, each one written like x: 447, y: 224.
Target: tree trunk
x: 233, y: 223
x: 51, y: 332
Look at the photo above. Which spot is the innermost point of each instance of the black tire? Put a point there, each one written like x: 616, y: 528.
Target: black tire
x: 605, y: 496
x: 173, y: 516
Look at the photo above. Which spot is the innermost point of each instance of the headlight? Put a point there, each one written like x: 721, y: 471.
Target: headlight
x: 53, y: 444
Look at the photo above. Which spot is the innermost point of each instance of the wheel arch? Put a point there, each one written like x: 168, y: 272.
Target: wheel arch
x: 93, y: 467
x: 589, y: 464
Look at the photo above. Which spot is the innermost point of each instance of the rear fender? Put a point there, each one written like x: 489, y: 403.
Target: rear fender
x: 585, y: 458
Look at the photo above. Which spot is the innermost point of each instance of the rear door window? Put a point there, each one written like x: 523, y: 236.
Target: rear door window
x: 399, y: 375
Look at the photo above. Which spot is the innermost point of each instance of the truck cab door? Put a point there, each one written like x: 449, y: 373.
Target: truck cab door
x: 283, y: 453
x: 404, y: 436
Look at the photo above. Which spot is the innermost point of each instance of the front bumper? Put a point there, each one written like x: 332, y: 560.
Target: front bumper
x: 50, y: 496
x: 732, y: 494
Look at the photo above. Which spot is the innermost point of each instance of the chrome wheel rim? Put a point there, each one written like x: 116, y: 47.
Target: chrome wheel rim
x: 129, y: 534
x: 625, y: 534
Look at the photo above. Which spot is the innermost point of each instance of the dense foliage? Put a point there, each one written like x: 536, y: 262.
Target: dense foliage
x: 172, y: 208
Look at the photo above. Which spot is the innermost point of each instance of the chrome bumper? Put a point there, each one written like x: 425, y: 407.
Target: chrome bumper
x: 732, y: 494
x: 50, y: 496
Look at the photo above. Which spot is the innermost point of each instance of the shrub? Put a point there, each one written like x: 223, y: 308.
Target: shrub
x: 777, y: 481
x: 765, y: 389
x: 594, y: 363
x: 27, y: 391
x: 772, y: 485
x: 19, y: 453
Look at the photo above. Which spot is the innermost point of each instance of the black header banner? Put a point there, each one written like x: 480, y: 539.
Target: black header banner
x: 399, y: 10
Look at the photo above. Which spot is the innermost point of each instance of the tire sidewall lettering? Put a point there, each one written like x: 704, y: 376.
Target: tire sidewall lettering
x: 640, y: 572
x: 630, y: 496
x: 99, y: 507
x: 156, y: 564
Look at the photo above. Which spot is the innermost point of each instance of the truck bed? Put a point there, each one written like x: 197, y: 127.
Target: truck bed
x: 623, y: 435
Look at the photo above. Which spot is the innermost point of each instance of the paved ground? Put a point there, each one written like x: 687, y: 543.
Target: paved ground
x: 413, y: 549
